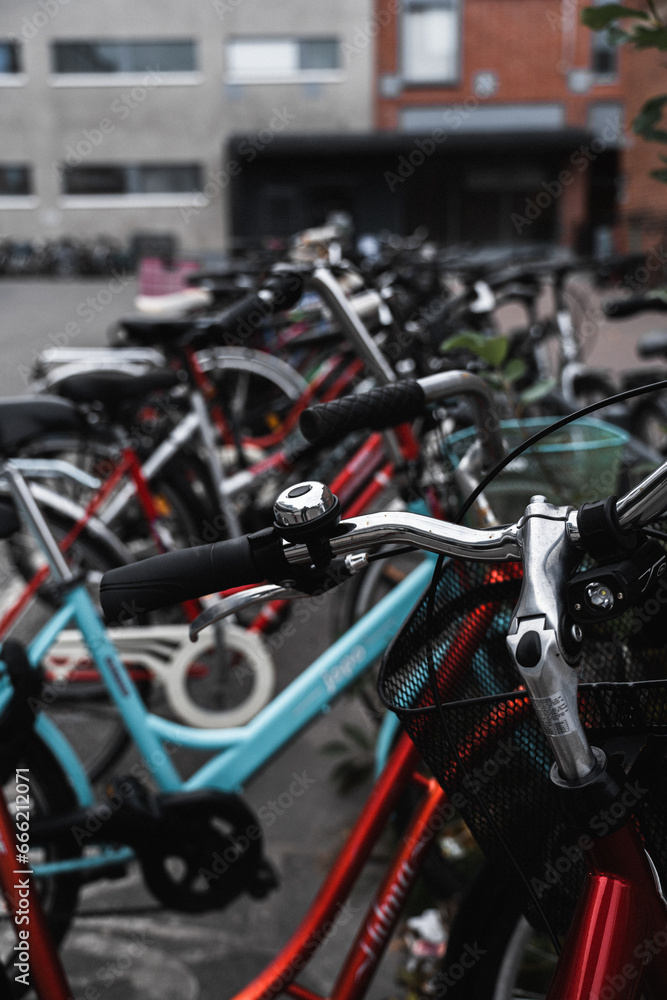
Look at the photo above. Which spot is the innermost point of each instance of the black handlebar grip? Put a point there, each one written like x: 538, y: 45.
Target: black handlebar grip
x: 280, y: 291
x: 129, y: 591
x: 381, y: 408
x: 620, y: 308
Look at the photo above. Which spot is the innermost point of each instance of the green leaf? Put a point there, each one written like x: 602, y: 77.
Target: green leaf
x: 649, y: 38
x: 537, y: 391
x: 514, y: 369
x: 616, y: 36
x: 490, y: 349
x: 650, y: 115
x: 600, y: 17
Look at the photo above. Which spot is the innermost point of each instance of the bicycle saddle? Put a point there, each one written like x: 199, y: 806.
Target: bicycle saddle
x: 146, y: 330
x: 26, y: 417
x: 111, y: 388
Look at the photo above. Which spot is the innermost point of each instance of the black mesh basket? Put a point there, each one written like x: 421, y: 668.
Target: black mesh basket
x: 503, y: 755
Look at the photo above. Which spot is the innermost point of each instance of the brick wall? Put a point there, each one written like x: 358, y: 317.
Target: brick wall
x: 532, y: 46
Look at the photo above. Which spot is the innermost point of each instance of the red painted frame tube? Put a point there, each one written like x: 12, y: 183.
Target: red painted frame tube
x: 277, y: 976
x: 46, y: 970
x: 618, y: 937
x: 385, y: 910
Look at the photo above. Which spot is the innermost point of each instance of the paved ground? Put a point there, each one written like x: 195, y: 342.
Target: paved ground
x: 122, y: 945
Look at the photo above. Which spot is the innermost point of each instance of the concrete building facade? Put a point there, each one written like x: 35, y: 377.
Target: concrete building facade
x: 115, y: 118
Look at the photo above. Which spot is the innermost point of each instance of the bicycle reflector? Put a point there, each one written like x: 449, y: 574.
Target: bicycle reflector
x: 607, y: 591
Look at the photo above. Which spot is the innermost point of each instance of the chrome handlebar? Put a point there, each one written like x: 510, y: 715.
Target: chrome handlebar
x: 546, y: 539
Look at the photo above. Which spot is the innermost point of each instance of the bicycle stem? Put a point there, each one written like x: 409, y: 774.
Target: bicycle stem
x: 544, y: 654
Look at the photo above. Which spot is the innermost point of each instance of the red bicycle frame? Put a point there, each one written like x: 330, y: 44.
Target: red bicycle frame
x: 47, y: 974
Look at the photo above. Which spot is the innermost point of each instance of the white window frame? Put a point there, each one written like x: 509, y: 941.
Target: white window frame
x: 449, y: 79
x: 295, y: 75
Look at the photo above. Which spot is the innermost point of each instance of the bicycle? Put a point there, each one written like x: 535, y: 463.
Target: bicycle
x: 210, y: 794
x: 454, y: 639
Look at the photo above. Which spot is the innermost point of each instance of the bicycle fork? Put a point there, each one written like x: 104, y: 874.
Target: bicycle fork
x: 618, y: 938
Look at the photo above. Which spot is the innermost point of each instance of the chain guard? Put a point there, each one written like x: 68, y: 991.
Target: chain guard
x: 206, y: 851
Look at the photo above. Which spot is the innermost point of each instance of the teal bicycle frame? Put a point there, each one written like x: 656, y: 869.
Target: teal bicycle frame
x: 242, y: 750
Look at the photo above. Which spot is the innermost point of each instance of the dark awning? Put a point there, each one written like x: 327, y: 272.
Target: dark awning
x: 369, y: 143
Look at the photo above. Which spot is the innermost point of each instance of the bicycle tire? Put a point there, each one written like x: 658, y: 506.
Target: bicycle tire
x: 493, y: 953
x: 256, y: 389
x: 50, y: 794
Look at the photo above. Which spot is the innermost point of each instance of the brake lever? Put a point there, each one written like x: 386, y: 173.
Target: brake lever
x: 227, y: 606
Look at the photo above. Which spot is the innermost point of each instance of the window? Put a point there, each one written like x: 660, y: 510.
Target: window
x: 10, y: 57
x: 124, y: 57
x: 604, y: 55
x: 259, y: 60
x: 15, y: 181
x: 124, y: 179
x: 431, y: 41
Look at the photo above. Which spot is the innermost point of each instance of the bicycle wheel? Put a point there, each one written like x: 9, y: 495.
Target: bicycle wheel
x: 181, y: 492
x: 50, y: 795
x: 493, y: 953
x: 256, y: 389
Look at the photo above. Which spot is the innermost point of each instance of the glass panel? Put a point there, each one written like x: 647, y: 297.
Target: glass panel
x: 85, y: 57
x: 430, y: 43
x: 168, y: 179
x: 604, y: 57
x: 15, y: 180
x: 94, y: 180
x: 9, y: 58
x: 132, y: 179
x: 267, y: 57
x: 123, y: 57
x: 318, y: 53
x: 167, y: 57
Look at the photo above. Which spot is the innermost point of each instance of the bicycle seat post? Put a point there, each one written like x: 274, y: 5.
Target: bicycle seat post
x: 40, y: 530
